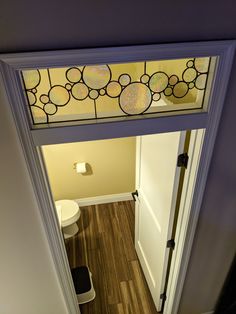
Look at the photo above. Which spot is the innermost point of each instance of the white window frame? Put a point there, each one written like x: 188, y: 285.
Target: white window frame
x: 11, y: 64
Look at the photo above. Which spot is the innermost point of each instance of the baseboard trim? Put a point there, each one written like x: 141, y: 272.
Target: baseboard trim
x: 104, y: 199
x: 211, y: 312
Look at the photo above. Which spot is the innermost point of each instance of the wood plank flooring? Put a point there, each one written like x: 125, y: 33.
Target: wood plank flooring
x: 105, y: 243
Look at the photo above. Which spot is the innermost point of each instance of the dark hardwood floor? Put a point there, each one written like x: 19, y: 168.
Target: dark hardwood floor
x: 105, y: 243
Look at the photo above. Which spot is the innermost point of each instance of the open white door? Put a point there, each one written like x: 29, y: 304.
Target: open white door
x: 157, y: 184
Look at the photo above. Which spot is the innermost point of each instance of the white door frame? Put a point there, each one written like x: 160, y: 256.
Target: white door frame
x: 187, y: 217
x: 186, y: 206
x: 11, y: 64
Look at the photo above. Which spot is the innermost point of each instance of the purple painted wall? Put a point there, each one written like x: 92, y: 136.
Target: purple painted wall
x: 46, y: 25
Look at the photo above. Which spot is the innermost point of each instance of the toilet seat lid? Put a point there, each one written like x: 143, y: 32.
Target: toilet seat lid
x: 68, y: 212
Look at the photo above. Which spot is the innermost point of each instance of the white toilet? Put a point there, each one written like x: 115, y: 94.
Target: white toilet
x: 68, y: 212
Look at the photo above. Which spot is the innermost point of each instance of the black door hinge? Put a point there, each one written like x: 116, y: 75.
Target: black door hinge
x: 182, y: 160
x: 134, y: 194
x: 171, y: 244
x: 163, y: 296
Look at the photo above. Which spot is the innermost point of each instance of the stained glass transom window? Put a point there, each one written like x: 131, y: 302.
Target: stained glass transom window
x: 115, y: 90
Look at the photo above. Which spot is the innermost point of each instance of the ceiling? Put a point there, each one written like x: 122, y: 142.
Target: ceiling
x: 47, y: 25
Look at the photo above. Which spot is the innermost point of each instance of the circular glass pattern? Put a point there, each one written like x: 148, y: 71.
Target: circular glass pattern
x: 190, y: 63
x: 168, y: 91
x: 173, y: 79
x: 135, y: 98
x: 50, y: 108
x: 93, y: 94
x: 31, y: 78
x: 201, y: 64
x: 96, y: 76
x: 31, y: 98
x: 79, y: 91
x: 191, y: 85
x: 73, y: 75
x: 102, y: 92
x: 200, y: 82
x: 59, y: 95
x: 44, y: 99
x: 144, y: 78
x: 124, y: 79
x: 156, y: 96
x: 113, y: 89
x: 189, y: 75
x: 68, y: 86
x: 39, y: 114
x: 180, y: 89
x: 158, y: 82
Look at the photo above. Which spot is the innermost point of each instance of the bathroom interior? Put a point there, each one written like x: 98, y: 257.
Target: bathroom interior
x: 96, y: 179
x: 105, y: 239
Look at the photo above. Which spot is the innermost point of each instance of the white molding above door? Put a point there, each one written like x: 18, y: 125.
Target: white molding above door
x: 11, y: 64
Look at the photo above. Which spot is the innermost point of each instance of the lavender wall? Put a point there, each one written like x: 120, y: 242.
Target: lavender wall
x: 214, y: 245
x: 28, y: 26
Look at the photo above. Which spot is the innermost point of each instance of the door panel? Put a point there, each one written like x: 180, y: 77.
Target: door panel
x: 157, y: 184
x: 146, y: 237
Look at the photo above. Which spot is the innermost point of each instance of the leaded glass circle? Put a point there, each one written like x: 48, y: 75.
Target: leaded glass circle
x: 135, y: 98
x: 59, y: 95
x: 31, y: 78
x: 44, y: 99
x: 189, y: 75
x: 158, y: 82
x: 201, y: 81
x: 113, y: 89
x: 93, y: 94
x: 79, y: 91
x: 73, y: 75
x: 96, y: 76
x: 180, y: 89
x: 50, y: 109
x: 124, y: 79
x: 31, y: 98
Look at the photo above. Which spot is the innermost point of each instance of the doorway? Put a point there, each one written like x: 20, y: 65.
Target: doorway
x: 32, y: 137
x: 163, y: 150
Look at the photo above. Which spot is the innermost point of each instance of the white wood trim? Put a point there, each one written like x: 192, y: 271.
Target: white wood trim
x: 40, y: 184
x: 211, y: 312
x: 10, y: 64
x: 173, y: 204
x: 104, y: 199
x: 52, y: 224
x: 217, y: 101
x: 184, y: 215
x: 137, y: 185
x: 137, y: 162
x: 123, y: 128
x: 62, y: 58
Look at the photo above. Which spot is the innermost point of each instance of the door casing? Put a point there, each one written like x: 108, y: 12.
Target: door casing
x: 31, y: 140
x: 184, y: 210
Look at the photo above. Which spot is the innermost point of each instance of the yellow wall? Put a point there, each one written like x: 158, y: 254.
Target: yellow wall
x: 112, y: 170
